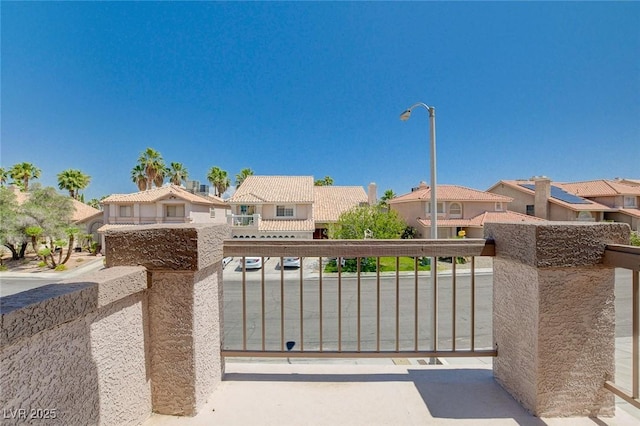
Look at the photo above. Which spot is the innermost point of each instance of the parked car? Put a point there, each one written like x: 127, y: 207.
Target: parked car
x: 291, y: 262
x: 253, y: 262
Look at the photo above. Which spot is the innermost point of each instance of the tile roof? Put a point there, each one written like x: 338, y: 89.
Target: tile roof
x: 599, y: 188
x: 486, y: 217
x: 450, y: 193
x: 157, y: 194
x: 83, y: 211
x: 630, y: 212
x: 287, y: 225
x: 588, y: 205
x: 332, y: 201
x: 274, y: 189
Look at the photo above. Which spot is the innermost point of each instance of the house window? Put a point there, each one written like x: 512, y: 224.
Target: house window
x: 440, y: 208
x: 585, y: 216
x: 284, y: 211
x: 531, y: 210
x: 455, y: 210
x: 126, y: 211
x: 630, y: 201
x: 212, y: 213
x: 176, y: 210
x: 499, y: 206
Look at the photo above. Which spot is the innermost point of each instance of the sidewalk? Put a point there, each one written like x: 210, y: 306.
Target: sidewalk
x: 17, y: 282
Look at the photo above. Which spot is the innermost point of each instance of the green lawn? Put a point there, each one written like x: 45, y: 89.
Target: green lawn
x: 387, y: 264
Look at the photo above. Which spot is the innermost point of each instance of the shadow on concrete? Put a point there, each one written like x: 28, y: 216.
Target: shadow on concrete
x: 447, y: 393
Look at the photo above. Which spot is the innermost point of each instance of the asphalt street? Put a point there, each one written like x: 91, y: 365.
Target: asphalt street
x: 397, y: 309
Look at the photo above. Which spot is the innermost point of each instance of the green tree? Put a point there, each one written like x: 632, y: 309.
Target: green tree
x: 240, y: 177
x: 56, y: 246
x: 635, y: 238
x: 388, y: 195
x: 139, y: 177
x: 219, y: 179
x: 73, y: 180
x: 326, y: 181
x: 22, y: 173
x: 34, y: 232
x: 367, y: 222
x: 49, y: 210
x: 12, y: 224
x: 95, y: 203
x: 178, y: 173
x: 154, y: 167
x: 4, y: 175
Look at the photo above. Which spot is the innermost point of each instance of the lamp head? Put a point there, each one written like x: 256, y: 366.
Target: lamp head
x: 405, y: 115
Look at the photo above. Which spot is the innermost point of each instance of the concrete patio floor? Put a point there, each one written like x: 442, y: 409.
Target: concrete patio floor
x: 361, y: 392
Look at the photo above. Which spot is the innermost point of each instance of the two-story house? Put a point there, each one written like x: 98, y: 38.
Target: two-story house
x: 552, y: 201
x: 621, y: 196
x: 288, y: 207
x: 459, y: 209
x: 167, y: 204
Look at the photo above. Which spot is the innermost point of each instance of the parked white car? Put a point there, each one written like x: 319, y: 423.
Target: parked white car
x: 226, y: 260
x: 253, y: 262
x: 291, y: 262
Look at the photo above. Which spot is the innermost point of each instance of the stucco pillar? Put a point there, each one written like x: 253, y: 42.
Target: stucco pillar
x: 553, y: 315
x: 184, y: 264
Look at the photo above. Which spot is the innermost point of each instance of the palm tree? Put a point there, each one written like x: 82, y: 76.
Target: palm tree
x: 327, y: 181
x: 21, y: 173
x: 3, y: 176
x: 388, y: 195
x: 219, y: 179
x: 162, y: 171
x: 178, y: 173
x: 139, y: 177
x: 154, y: 167
x: 240, y: 177
x: 73, y: 181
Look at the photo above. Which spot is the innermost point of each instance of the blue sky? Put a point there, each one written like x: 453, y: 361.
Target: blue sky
x: 520, y: 89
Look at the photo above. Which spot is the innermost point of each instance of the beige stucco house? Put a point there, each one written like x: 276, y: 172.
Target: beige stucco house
x: 552, y: 201
x: 459, y: 209
x: 288, y: 207
x: 88, y: 219
x: 621, y: 196
x: 167, y: 204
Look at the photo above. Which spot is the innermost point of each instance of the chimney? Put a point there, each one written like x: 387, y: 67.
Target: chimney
x: 372, y: 195
x: 543, y: 192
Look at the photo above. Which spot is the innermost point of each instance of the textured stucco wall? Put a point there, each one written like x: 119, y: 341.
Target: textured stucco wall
x: 185, y: 315
x: 78, y: 350
x: 554, y: 318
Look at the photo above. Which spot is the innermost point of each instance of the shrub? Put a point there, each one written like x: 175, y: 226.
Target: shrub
x: 61, y: 267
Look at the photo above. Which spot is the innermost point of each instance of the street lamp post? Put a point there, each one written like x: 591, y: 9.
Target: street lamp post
x: 434, y: 211
x: 432, y: 135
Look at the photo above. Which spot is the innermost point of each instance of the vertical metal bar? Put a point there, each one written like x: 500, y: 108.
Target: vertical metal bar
x: 339, y: 262
x: 378, y: 304
x: 635, y: 351
x: 301, y: 307
x: 397, y: 304
x: 415, y: 303
x: 473, y: 303
x: 320, y: 299
x: 434, y: 270
x: 281, y: 306
x: 453, y: 304
x: 358, y: 267
x: 244, y: 305
x: 262, y: 308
